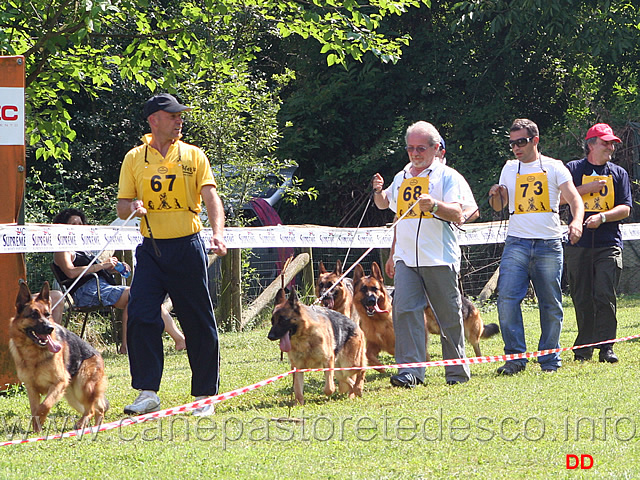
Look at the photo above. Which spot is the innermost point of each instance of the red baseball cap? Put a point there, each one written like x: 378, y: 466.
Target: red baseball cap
x: 603, y: 131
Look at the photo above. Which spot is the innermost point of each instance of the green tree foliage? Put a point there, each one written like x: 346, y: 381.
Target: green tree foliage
x: 81, y: 45
x: 470, y: 69
x: 239, y: 132
x: 84, y: 55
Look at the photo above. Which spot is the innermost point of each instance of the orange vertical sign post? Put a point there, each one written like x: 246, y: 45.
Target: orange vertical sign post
x: 12, y: 184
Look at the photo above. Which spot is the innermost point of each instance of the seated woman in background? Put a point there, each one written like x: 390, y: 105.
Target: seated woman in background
x: 85, y: 292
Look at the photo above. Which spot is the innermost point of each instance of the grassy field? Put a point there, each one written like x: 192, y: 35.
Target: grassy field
x: 491, y: 427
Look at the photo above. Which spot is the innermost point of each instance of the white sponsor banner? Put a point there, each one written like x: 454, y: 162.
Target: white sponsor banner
x: 11, y: 116
x: 59, y: 238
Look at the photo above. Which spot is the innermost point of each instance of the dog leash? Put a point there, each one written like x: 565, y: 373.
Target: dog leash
x: 153, y: 240
x: 95, y: 258
x: 364, y: 212
x: 318, y: 300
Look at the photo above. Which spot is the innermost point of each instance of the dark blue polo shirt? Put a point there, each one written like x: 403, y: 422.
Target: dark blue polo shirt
x: 608, y: 234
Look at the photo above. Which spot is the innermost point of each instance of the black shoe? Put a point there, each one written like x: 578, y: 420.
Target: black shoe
x: 607, y: 355
x: 406, y: 380
x: 583, y: 354
x: 510, y: 368
x: 581, y: 358
x: 455, y: 382
x: 549, y: 370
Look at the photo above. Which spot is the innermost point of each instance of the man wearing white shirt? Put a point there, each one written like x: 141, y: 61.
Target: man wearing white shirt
x: 531, y: 186
x: 426, y: 254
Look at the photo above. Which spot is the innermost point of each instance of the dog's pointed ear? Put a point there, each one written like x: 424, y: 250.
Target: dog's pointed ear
x: 358, y: 273
x: 281, y: 296
x: 338, y: 270
x: 44, y: 292
x: 321, y: 268
x: 293, y: 298
x: 24, y: 296
x: 376, y: 272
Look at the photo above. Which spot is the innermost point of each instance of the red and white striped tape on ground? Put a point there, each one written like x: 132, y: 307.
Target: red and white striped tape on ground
x: 241, y: 391
x: 472, y: 360
x: 154, y: 415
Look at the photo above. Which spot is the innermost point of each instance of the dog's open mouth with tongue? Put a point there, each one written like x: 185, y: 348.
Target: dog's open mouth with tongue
x: 373, y: 308
x: 41, y: 335
x: 285, y: 338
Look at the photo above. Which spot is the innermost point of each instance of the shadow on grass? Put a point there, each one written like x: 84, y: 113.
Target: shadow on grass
x: 285, y: 362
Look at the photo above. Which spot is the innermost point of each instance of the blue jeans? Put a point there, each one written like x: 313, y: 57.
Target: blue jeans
x: 87, y: 294
x: 538, y: 261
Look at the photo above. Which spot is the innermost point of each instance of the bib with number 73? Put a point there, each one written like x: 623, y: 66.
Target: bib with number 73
x: 599, y: 201
x: 410, y: 191
x: 532, y: 193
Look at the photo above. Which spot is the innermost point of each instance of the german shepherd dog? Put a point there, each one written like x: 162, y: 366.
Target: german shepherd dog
x: 373, y: 306
x: 474, y: 327
x: 52, y: 361
x: 317, y: 337
x: 340, y: 298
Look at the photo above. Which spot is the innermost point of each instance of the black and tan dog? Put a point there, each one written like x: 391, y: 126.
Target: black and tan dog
x: 373, y: 305
x: 52, y: 361
x: 317, y: 337
x: 474, y: 327
x: 339, y: 298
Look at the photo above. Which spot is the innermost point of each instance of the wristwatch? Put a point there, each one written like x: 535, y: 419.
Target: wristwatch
x: 434, y: 209
x: 602, y: 217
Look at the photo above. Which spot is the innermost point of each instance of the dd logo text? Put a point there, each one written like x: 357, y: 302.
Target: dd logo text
x: 583, y: 462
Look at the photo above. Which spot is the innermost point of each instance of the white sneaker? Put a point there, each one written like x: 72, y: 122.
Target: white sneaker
x: 204, y: 411
x: 146, y: 402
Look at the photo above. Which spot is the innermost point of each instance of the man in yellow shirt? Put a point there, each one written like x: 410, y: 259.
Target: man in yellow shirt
x: 165, y: 181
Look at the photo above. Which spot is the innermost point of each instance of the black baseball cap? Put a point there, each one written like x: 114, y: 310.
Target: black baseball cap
x: 163, y: 101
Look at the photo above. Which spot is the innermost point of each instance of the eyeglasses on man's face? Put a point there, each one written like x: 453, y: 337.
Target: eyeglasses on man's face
x: 419, y: 148
x: 520, y: 142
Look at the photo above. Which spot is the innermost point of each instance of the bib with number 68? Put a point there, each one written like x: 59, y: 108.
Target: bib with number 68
x: 410, y: 191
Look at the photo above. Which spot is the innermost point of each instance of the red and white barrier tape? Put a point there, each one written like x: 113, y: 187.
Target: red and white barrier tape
x: 241, y: 391
x: 472, y: 360
x: 154, y: 415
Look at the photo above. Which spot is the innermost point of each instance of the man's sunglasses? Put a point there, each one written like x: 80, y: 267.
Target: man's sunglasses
x: 419, y: 148
x: 521, y: 142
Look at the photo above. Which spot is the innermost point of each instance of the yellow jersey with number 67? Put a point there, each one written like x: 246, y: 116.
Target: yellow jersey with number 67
x: 168, y: 186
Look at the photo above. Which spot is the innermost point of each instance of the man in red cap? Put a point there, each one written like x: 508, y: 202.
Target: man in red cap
x: 594, y: 263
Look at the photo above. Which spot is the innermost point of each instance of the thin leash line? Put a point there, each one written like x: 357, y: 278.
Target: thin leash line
x: 318, y: 300
x: 153, y: 240
x: 95, y: 258
x: 342, y: 277
x: 353, y: 210
x: 364, y: 212
x: 499, y: 228
x: 422, y: 283
x: 501, y: 213
x: 466, y: 220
